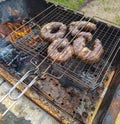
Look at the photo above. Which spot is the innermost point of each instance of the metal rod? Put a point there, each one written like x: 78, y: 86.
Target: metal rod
x: 23, y: 92
x: 14, y: 87
x: 31, y: 19
x: 97, y: 85
x: 45, y: 71
x: 16, y: 99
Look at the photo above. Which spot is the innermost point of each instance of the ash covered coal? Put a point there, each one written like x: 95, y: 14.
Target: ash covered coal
x: 12, y: 12
x: 7, y: 51
x: 12, y: 15
x: 13, y: 58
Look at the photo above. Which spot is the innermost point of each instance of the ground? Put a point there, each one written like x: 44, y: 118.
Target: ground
x: 106, y: 9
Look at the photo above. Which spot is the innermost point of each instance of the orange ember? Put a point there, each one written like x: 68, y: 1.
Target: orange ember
x: 18, y: 33
x: 15, y: 31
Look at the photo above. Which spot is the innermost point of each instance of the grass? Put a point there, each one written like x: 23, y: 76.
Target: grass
x: 72, y: 4
x: 117, y: 19
x: 106, y: 9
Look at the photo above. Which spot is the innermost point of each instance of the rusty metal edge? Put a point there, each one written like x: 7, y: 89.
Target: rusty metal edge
x: 12, y: 80
x: 107, y: 84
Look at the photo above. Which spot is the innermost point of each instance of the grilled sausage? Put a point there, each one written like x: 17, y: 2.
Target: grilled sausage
x: 60, y: 51
x: 86, y: 35
x: 77, y: 26
x: 53, y: 30
x: 84, y: 53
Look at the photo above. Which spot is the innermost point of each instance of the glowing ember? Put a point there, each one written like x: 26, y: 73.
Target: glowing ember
x: 16, y: 34
x: 15, y: 31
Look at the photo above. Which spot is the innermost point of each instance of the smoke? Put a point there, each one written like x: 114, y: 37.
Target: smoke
x: 12, y: 10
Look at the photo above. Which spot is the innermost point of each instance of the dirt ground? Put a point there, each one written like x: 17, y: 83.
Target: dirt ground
x: 106, y: 9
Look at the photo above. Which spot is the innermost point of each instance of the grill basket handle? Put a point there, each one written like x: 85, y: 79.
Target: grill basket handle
x: 16, y: 99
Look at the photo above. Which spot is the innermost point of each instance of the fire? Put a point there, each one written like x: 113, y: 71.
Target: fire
x: 18, y: 33
x: 21, y: 30
x: 15, y: 31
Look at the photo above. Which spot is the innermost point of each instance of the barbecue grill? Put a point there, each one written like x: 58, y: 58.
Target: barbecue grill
x: 73, y: 91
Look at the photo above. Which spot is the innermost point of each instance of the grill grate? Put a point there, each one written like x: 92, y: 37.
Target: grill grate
x: 87, y: 75
x: 82, y: 103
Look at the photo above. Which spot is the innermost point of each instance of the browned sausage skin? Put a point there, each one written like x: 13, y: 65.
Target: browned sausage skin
x: 84, y: 53
x: 53, y: 30
x: 76, y: 26
x: 60, y: 51
x: 87, y: 35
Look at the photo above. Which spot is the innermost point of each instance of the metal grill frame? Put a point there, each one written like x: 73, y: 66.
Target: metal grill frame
x: 51, y: 14
x: 36, y: 66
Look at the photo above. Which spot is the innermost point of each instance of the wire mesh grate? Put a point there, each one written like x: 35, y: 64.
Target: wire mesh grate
x: 87, y: 75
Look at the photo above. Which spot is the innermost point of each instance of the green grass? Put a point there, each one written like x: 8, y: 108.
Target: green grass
x: 106, y: 9
x: 72, y: 4
x: 117, y: 19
